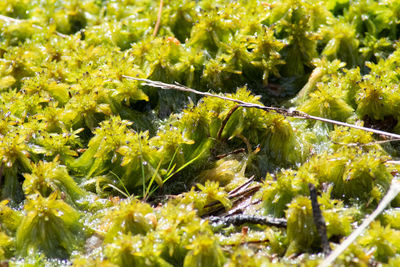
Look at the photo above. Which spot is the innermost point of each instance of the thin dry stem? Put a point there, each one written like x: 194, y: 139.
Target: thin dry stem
x: 367, y: 144
x: 236, y: 151
x: 225, y: 121
x: 242, y: 187
x: 157, y: 27
x: 286, y: 112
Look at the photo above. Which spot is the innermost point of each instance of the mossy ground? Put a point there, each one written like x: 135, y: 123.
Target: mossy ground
x: 99, y: 170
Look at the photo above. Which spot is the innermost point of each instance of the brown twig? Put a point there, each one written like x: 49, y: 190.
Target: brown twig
x: 246, y: 141
x: 157, y: 27
x: 221, y: 129
x: 241, y: 187
x: 252, y: 219
x: 236, y: 151
x: 241, y: 209
x: 242, y: 193
x: 319, y: 220
x: 286, y: 112
x: 249, y: 242
x: 246, y: 191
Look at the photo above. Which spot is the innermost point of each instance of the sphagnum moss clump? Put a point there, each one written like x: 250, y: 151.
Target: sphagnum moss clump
x: 97, y: 169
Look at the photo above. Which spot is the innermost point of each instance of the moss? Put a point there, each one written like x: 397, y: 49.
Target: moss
x: 50, y: 226
x: 10, y: 219
x: 354, y: 255
x: 49, y: 177
x: 384, y: 240
x: 279, y: 192
x: 338, y: 217
x: 76, y: 136
x: 341, y: 42
x: 322, y: 104
x: 204, y: 252
x: 350, y: 171
x: 301, y: 231
x: 134, y: 251
x: 245, y: 257
x: 129, y: 217
x: 390, y: 217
